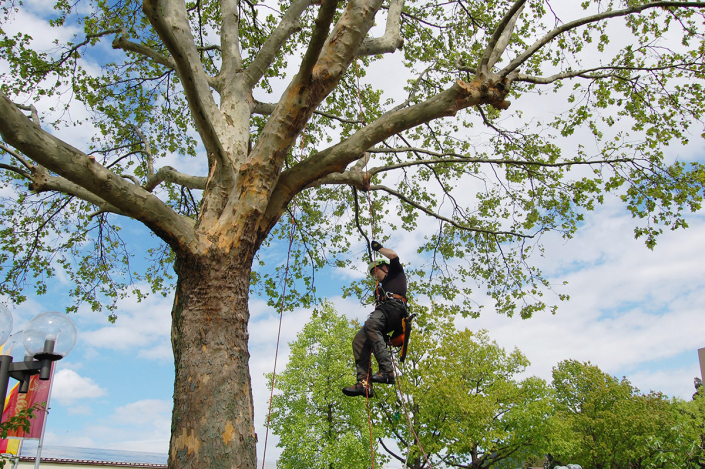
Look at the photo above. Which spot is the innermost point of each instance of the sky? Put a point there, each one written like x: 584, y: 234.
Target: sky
x: 633, y: 312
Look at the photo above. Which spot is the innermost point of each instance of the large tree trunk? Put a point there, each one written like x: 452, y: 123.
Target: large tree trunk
x: 212, y: 422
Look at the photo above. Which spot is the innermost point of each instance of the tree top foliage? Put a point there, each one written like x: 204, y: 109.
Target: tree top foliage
x: 502, y: 121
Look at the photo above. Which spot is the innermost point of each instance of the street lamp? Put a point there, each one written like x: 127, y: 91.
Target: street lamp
x: 48, y: 337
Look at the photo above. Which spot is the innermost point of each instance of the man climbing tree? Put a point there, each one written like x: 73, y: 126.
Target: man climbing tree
x: 390, y: 311
x: 606, y: 96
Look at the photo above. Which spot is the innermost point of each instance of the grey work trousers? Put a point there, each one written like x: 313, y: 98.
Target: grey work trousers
x: 370, y: 339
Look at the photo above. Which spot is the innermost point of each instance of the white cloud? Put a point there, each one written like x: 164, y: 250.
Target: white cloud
x: 70, y: 387
x: 139, y: 426
x: 150, y: 412
x: 143, y: 327
x: 629, y: 307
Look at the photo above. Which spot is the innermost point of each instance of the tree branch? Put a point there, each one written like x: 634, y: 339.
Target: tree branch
x: 431, y: 213
x: 15, y: 169
x: 17, y: 156
x: 500, y: 39
x: 514, y: 64
x: 335, y: 159
x: 31, y: 109
x: 169, y: 174
x: 590, y: 73
x: 392, y: 39
x: 390, y: 452
x: 170, y: 20
x: 121, y: 42
x: 230, y: 40
x: 288, y: 25
x: 83, y: 171
x: 457, y: 158
x: 147, y: 151
x: 42, y: 181
x: 318, y: 38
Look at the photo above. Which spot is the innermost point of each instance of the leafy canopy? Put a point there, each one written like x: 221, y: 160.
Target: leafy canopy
x: 604, y: 96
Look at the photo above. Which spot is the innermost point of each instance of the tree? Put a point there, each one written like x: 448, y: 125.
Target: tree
x: 317, y: 425
x: 459, y: 390
x: 192, y: 78
x: 602, y: 422
x: 465, y: 403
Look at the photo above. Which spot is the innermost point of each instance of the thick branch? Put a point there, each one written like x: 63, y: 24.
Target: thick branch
x: 433, y: 214
x: 303, y: 96
x: 169, y: 174
x: 318, y: 37
x: 169, y: 19
x: 83, y: 171
x: 514, y: 64
x: 392, y: 39
x: 335, y: 159
x: 289, y: 25
x: 230, y: 40
x: 500, y: 39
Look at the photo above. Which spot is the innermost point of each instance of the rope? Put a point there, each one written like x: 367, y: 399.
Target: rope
x: 372, y: 232
x: 292, y: 230
x: 369, y: 417
x: 408, y: 419
x: 373, y: 258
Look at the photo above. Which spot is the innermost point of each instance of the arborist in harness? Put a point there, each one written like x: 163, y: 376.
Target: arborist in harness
x: 388, y: 316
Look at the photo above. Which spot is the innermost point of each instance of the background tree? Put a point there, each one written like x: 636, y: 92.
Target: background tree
x: 318, y: 426
x: 196, y: 79
x: 602, y: 422
x: 466, y: 404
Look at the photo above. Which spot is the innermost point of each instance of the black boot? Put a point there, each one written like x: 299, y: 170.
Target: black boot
x: 361, y: 388
x: 384, y: 378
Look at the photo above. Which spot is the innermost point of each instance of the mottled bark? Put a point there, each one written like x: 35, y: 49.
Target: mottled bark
x: 212, y: 421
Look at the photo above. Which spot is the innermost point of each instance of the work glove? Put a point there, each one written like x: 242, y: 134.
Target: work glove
x: 376, y: 246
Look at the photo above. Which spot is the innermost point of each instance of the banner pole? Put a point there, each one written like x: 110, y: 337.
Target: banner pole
x: 16, y: 462
x: 46, y: 417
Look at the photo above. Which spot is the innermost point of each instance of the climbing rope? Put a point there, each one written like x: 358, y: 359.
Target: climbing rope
x: 372, y: 233
x: 408, y: 418
x: 373, y: 258
x: 292, y: 231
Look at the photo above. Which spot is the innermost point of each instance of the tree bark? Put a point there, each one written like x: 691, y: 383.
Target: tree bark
x: 212, y: 421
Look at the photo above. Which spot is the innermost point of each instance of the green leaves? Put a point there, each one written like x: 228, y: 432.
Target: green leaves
x: 318, y: 426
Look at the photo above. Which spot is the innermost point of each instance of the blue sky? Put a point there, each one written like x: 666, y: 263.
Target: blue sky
x: 633, y: 312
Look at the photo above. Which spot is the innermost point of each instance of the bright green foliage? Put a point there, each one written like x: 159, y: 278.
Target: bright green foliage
x: 687, y: 447
x: 318, y: 426
x: 604, y: 423
x: 465, y: 402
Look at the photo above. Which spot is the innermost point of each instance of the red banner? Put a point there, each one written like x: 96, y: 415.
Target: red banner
x: 38, y: 394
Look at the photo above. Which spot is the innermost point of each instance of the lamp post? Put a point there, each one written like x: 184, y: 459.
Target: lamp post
x: 47, y: 338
